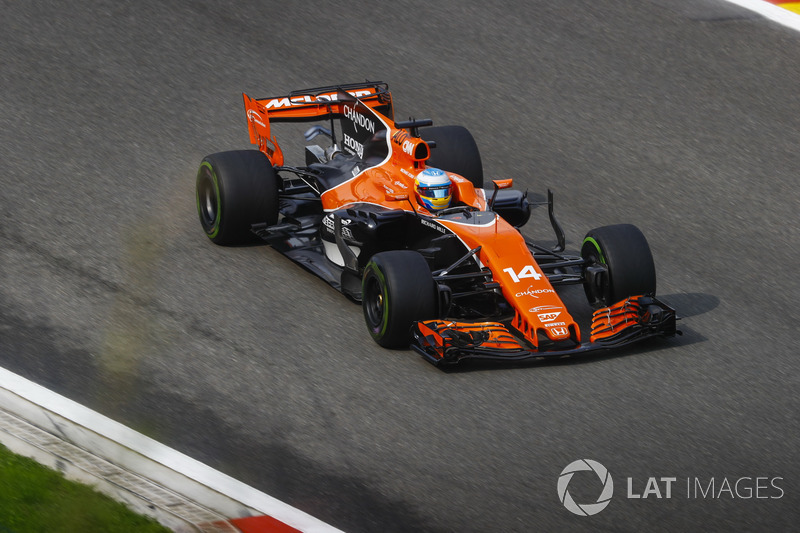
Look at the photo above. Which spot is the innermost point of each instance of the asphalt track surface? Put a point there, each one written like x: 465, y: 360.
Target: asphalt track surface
x: 679, y: 116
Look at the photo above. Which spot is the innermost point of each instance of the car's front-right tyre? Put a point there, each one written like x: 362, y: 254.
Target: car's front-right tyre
x: 619, y: 264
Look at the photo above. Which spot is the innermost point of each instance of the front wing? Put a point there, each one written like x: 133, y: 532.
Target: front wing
x: 444, y: 342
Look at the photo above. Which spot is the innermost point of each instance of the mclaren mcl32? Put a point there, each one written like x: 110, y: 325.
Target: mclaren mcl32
x: 456, y: 282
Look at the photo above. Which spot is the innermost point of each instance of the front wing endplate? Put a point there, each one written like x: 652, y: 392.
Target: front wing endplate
x: 447, y: 342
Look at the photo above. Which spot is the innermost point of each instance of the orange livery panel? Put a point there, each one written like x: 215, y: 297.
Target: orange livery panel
x: 504, y: 251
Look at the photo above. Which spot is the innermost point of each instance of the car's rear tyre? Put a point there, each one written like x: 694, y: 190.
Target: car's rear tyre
x: 455, y: 151
x: 397, y: 290
x: 235, y: 190
x: 624, y: 255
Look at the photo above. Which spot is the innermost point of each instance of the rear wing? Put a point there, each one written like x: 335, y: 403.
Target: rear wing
x: 316, y: 103
x: 319, y: 103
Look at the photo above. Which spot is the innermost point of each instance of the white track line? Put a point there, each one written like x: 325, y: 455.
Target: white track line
x: 140, y: 454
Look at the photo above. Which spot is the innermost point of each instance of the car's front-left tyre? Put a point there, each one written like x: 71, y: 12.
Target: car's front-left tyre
x: 235, y: 190
x: 397, y: 290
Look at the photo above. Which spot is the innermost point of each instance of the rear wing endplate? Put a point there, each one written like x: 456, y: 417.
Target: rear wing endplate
x: 258, y: 126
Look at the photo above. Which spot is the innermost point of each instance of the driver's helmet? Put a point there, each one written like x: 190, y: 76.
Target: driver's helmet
x: 433, y: 189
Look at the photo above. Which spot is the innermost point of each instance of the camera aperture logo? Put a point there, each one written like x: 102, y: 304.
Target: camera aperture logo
x: 585, y: 509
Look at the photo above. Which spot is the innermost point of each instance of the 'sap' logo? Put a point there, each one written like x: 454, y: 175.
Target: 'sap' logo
x: 548, y: 317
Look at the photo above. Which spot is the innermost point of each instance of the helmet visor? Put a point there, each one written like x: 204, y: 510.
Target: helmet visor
x: 435, y: 191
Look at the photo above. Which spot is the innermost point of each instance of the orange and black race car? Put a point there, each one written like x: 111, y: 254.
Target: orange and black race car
x: 394, y: 215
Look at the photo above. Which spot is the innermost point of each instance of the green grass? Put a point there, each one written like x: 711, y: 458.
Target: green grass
x: 37, y: 499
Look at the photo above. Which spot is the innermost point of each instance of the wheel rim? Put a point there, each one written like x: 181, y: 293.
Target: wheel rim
x: 208, y: 203
x: 375, y: 304
x: 598, y: 290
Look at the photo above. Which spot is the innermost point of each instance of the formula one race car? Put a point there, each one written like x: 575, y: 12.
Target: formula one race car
x: 394, y: 215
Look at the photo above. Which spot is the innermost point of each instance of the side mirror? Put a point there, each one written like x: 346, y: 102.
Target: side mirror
x: 499, y: 184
